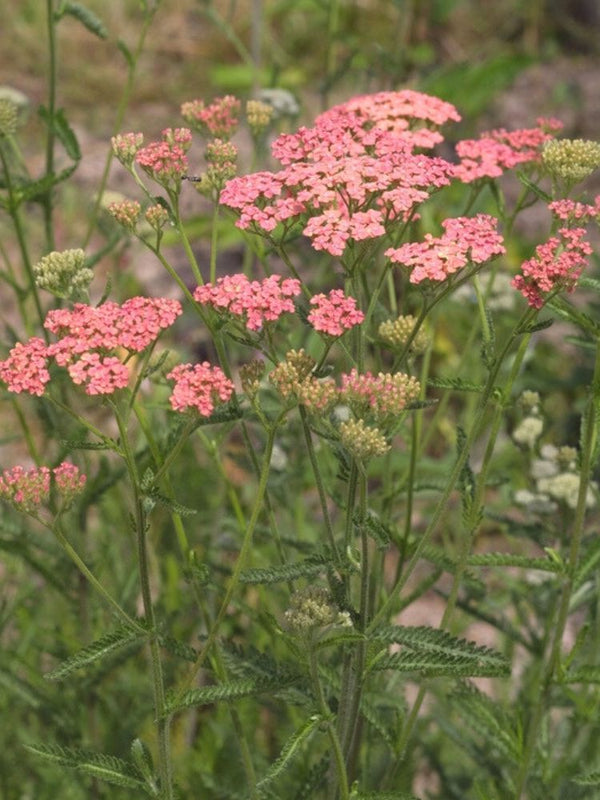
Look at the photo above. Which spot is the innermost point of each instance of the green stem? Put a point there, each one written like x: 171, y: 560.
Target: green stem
x: 590, y: 434
x: 50, y: 135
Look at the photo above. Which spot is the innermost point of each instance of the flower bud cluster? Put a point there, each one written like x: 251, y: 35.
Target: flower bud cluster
x: 556, y: 482
x: 219, y: 119
x: 64, y: 274
x: 251, y: 375
x: 529, y: 430
x: 362, y: 441
x: 571, y: 160
x: 9, y: 117
x: 126, y: 213
x: 396, y: 333
x: 28, y: 489
x: 125, y: 147
x: 221, y: 157
x: 313, y: 608
x: 259, y: 116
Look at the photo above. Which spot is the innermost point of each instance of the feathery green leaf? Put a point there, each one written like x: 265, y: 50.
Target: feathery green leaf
x: 109, y: 643
x: 289, y: 750
x: 97, y: 765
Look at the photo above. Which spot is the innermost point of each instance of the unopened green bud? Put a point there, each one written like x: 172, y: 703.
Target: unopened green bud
x: 362, y: 441
x: 571, y: 160
x: 396, y: 333
x: 64, y: 274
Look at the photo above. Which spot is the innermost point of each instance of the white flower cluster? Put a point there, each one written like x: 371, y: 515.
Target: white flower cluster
x: 556, y: 482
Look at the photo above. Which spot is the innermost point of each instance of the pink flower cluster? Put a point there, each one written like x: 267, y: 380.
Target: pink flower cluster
x: 499, y: 150
x: 86, y: 337
x: 351, y: 173
x: 571, y: 210
x: 166, y: 161
x: 556, y: 264
x: 28, y: 489
x: 466, y: 239
x: 200, y: 387
x: 384, y: 396
x: 256, y: 302
x: 334, y: 313
x: 219, y: 119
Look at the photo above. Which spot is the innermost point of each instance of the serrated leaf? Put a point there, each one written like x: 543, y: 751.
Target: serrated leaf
x: 226, y: 692
x: 507, y: 560
x: 541, y: 325
x: 342, y: 637
x: 142, y: 760
x: 533, y: 187
x: 584, y: 282
x: 82, y: 444
x: 289, y: 750
x: 286, y: 572
x: 122, y: 47
x: 105, y: 645
x: 457, y: 384
x: 591, y: 778
x: 588, y: 673
x: 98, y: 765
x: 180, y: 649
x: 380, y: 533
x: 64, y: 132
x: 87, y: 18
x: 436, y: 652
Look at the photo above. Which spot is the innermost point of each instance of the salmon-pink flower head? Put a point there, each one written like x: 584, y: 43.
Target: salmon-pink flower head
x: 556, y: 264
x: 200, y: 387
x: 28, y: 489
x: 178, y: 136
x: 133, y: 326
x: 99, y: 374
x: 25, y: 489
x: 466, y: 239
x: 256, y: 302
x: 499, y: 150
x: 165, y: 163
x: 571, y: 210
x: 26, y: 368
x: 219, y: 119
x: 334, y: 313
x: 383, y: 396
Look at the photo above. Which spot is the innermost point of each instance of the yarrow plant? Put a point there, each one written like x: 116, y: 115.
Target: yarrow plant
x: 274, y: 474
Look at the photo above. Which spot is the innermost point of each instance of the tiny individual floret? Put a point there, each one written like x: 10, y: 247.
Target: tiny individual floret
x: 126, y: 145
x: 571, y: 160
x: 334, y: 313
x: 126, y: 213
x: 313, y: 608
x: 219, y: 119
x: 26, y: 368
x: 259, y: 116
x: 528, y: 432
x: 199, y: 387
x: 25, y: 489
x: 361, y: 441
x: 64, y: 274
x: 397, y: 332
x: 256, y: 302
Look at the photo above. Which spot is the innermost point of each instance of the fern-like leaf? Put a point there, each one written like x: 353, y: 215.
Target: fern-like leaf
x: 458, y: 384
x: 289, y: 750
x: 508, y: 560
x: 286, y: 572
x: 97, y: 765
x: 87, y: 18
x: 488, y: 722
x: 225, y: 692
x: 588, y: 673
x: 105, y: 645
x: 436, y: 652
x: 590, y: 778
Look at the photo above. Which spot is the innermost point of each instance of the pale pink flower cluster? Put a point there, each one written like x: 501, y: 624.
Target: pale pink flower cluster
x: 219, y: 119
x: 126, y: 145
x: 178, y: 136
x: 571, y: 210
x: 350, y: 174
x: 125, y: 212
x: 28, y: 489
x: 496, y: 151
x: 334, y: 313
x: 165, y: 161
x: 256, y: 302
x: 200, y: 387
x: 465, y: 240
x: 383, y: 396
x: 86, y: 337
x: 556, y: 264
x: 26, y: 368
